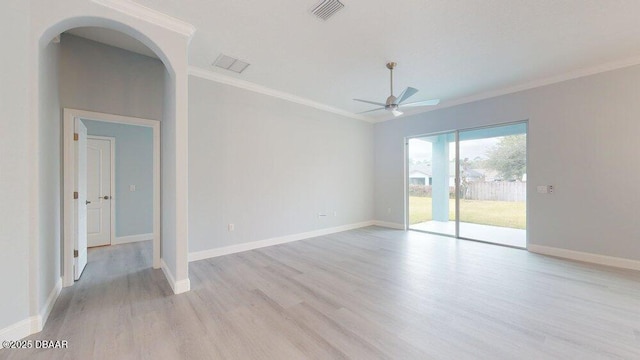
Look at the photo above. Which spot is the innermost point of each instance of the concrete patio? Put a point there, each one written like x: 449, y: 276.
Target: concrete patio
x: 488, y: 233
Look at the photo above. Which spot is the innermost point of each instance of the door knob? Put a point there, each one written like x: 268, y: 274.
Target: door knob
x: 106, y: 197
x: 87, y: 202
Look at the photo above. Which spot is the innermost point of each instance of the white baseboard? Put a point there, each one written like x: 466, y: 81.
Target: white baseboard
x: 232, y: 249
x: 33, y: 324
x: 389, y: 225
x: 48, y: 306
x: 178, y: 287
x: 585, y: 257
x: 132, y: 238
x: 18, y: 330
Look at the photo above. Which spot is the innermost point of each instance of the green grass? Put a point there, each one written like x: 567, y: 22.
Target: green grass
x: 497, y: 213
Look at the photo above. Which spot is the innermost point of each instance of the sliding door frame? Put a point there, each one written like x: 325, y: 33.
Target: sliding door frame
x: 456, y: 133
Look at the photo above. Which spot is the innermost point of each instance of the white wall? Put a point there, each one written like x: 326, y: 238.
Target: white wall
x: 270, y: 166
x: 168, y: 171
x: 49, y: 176
x: 133, y: 166
x: 102, y: 78
x: 582, y: 139
x: 14, y: 166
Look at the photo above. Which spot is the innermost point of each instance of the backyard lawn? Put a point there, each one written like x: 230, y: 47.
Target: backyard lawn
x: 497, y: 213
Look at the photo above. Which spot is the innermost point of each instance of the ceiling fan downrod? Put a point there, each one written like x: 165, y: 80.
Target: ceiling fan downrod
x: 391, y: 66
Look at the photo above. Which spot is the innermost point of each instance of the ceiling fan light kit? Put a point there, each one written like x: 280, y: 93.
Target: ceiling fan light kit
x: 393, y: 103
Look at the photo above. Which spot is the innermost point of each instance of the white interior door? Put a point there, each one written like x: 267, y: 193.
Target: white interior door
x: 99, y: 191
x: 80, y: 248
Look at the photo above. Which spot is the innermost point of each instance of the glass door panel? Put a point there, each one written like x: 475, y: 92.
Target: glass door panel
x: 492, y: 191
x: 431, y: 183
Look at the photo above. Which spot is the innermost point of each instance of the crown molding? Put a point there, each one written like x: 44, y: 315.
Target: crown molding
x: 593, y: 70
x: 247, y: 85
x: 149, y: 15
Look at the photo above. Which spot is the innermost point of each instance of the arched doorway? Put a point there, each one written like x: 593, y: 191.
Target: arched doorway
x: 169, y: 41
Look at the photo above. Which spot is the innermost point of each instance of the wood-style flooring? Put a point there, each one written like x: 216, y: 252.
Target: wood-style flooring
x: 371, y: 293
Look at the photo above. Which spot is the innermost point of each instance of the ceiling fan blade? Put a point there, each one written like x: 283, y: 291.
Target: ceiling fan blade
x: 370, y: 102
x: 396, y: 112
x: 407, y: 93
x: 376, y: 109
x: 423, y: 103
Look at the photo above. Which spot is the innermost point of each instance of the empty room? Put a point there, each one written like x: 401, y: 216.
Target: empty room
x: 320, y: 179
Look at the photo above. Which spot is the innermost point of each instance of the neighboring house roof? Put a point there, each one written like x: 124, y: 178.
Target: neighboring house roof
x: 489, y: 175
x: 473, y: 173
x: 421, y: 168
x: 427, y: 170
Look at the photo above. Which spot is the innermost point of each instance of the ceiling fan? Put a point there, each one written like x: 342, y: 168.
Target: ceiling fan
x: 393, y: 103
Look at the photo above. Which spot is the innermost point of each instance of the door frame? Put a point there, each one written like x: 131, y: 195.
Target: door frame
x: 69, y: 116
x: 407, y: 215
x: 112, y: 144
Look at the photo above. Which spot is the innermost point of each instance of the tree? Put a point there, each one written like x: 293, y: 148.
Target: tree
x: 509, y: 157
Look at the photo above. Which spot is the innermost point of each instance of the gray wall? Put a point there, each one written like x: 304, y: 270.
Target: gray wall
x: 582, y: 139
x: 270, y: 166
x: 134, y: 166
x: 14, y: 164
x: 102, y: 78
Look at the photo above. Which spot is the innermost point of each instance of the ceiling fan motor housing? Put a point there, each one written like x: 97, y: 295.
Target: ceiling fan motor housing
x: 391, y: 100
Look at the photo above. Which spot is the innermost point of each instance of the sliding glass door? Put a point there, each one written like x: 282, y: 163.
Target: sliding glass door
x: 477, y: 174
x: 431, y: 175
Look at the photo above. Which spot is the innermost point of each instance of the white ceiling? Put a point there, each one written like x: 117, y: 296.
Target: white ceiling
x: 446, y: 49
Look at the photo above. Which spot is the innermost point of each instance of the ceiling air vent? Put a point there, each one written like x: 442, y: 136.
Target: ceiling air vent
x: 327, y: 8
x: 229, y: 63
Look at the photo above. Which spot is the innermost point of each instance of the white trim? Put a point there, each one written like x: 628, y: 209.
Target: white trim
x: 112, y: 188
x: 585, y: 257
x: 593, y: 70
x: 48, y: 306
x: 178, y: 287
x: 390, y: 225
x: 232, y: 249
x: 18, y: 330
x: 247, y: 85
x: 132, y: 238
x: 182, y: 286
x: 68, y: 169
x: 149, y: 15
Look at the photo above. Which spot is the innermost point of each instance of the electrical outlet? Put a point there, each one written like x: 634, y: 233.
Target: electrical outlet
x: 544, y: 189
x: 231, y: 227
x: 388, y: 210
x: 132, y: 188
x: 335, y: 213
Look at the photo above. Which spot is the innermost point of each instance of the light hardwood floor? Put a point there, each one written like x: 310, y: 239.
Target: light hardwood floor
x: 372, y: 293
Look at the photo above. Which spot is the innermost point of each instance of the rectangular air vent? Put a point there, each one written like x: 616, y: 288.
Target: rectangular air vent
x: 327, y: 8
x: 229, y: 63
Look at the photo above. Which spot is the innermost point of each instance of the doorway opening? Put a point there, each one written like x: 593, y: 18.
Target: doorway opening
x: 96, y: 196
x: 469, y: 184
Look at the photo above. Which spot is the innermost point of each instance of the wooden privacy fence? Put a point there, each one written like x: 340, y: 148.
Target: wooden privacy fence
x: 495, y: 190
